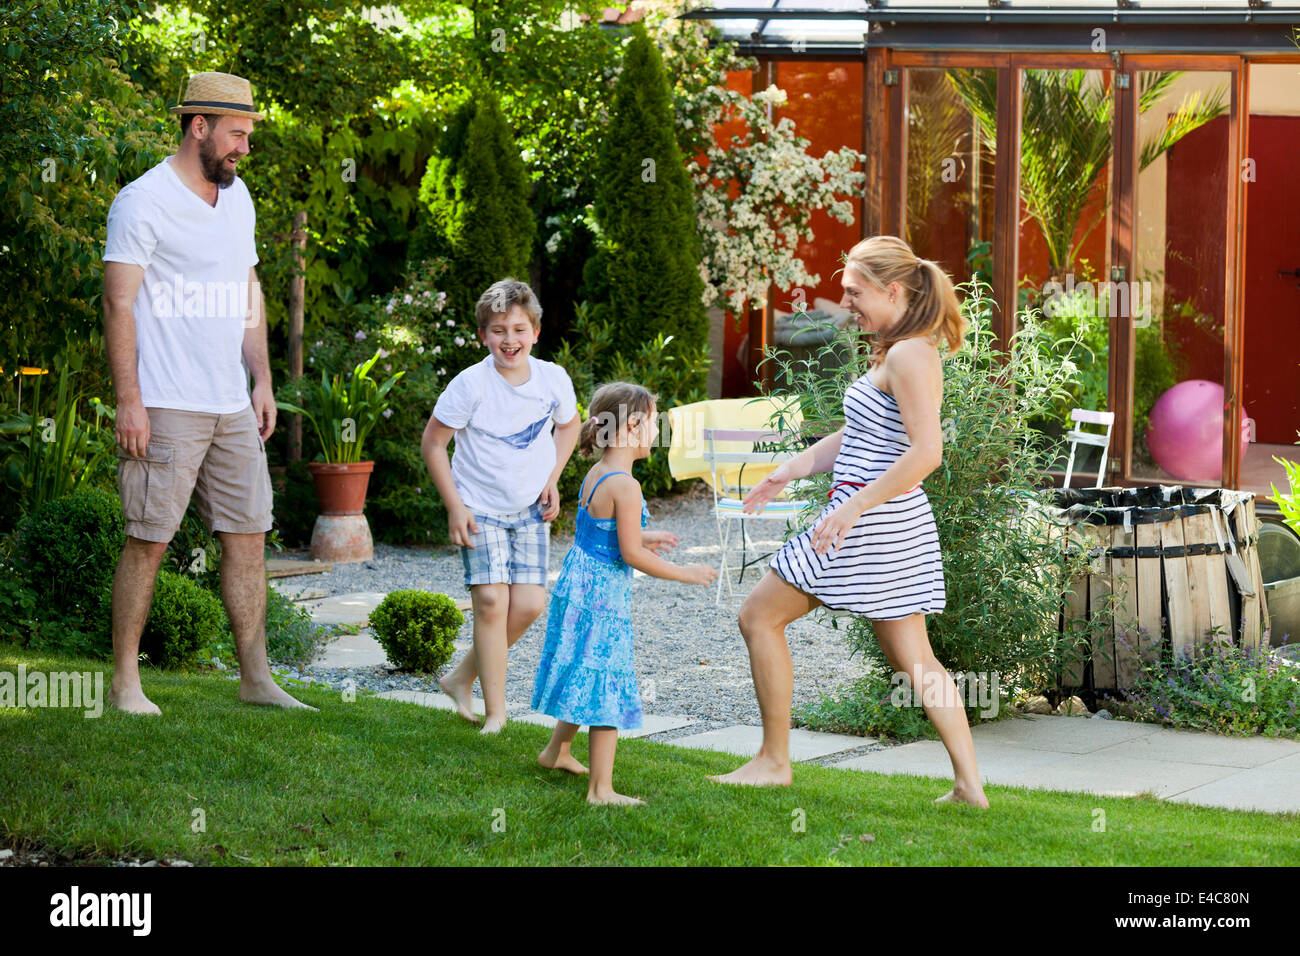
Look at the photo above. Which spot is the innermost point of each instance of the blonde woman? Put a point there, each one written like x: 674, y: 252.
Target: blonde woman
x: 874, y: 550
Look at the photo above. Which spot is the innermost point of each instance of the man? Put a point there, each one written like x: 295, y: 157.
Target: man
x: 182, y: 306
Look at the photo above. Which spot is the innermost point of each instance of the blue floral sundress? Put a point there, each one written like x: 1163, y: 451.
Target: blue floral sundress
x: 585, y: 675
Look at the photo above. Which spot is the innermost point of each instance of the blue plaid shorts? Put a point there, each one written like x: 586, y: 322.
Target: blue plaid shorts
x: 508, y: 549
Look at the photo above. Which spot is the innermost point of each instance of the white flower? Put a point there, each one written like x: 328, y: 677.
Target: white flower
x: 406, y: 299
x: 436, y: 349
x: 389, y: 308
x: 459, y: 340
x: 451, y: 323
x: 420, y: 350
x: 442, y: 371
x: 388, y: 413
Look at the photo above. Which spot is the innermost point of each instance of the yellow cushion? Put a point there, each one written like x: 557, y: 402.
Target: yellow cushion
x: 687, y: 448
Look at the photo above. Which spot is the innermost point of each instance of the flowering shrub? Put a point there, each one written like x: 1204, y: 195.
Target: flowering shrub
x: 755, y: 199
x: 1244, y: 691
x: 413, y: 330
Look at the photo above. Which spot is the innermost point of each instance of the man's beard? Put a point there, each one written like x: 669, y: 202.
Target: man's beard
x: 215, y: 169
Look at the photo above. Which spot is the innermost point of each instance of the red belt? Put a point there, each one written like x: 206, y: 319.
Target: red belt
x: 858, y: 484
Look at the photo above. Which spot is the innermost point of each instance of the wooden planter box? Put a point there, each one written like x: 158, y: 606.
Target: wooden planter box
x: 1175, y: 568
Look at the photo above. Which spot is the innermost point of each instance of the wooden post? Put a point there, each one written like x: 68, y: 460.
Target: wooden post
x: 1124, y: 161
x: 1234, y: 326
x: 297, y: 294
x: 1006, y: 199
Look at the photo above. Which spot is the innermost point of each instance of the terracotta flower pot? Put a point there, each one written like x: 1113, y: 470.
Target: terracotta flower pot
x: 341, y: 487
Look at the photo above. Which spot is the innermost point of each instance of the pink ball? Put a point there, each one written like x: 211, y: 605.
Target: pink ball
x: 1185, y: 431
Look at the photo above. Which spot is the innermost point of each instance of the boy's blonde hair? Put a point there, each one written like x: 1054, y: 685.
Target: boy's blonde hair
x: 500, y: 297
x: 932, y: 307
x: 612, y: 406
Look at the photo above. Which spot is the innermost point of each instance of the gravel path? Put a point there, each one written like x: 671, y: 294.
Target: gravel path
x: 691, y: 660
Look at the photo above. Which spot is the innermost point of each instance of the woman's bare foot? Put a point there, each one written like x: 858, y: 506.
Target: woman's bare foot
x: 269, y: 693
x: 462, y: 697
x: 133, y: 701
x: 555, y: 760
x: 965, y: 794
x: 493, y: 725
x: 611, y: 799
x: 760, y: 772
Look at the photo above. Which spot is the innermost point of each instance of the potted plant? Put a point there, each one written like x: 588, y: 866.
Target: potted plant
x: 343, y: 412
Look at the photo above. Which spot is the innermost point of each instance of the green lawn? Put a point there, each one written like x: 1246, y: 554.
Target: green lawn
x: 375, y: 782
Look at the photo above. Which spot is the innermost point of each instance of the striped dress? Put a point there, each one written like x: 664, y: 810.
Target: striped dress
x: 889, y: 566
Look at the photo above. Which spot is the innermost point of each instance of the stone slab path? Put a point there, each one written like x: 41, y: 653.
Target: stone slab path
x: 1078, y: 754
x: 1115, y: 758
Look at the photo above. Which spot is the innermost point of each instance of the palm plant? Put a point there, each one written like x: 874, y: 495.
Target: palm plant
x: 1066, y: 141
x: 345, y: 412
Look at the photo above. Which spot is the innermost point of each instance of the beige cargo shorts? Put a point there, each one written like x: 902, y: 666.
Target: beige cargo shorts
x: 219, y: 459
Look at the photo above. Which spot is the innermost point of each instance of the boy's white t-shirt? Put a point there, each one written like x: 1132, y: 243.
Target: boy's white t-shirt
x: 190, y: 310
x: 505, y: 450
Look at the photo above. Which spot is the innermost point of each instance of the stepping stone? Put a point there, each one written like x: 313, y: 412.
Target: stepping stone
x: 352, y: 608
x: 299, y: 594
x: 998, y: 763
x: 425, y: 699
x: 1186, y: 746
x: 351, y: 650
x: 288, y: 567
x: 1272, y: 787
x: 1075, y: 735
x: 650, y: 724
x: 745, y: 741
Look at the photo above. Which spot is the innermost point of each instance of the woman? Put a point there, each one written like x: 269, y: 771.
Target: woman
x: 874, y: 550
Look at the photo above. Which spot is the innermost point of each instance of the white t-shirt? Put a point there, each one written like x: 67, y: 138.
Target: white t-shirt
x: 505, y: 450
x: 191, y: 307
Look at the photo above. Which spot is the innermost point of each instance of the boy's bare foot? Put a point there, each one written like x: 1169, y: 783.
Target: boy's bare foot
x: 462, y: 697
x: 612, y: 799
x: 133, y: 701
x: 759, y: 772
x: 553, y: 760
x: 961, y: 794
x: 269, y: 693
x: 493, y: 725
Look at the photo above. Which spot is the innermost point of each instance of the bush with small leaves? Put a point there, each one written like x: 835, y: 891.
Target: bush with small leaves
x: 185, y: 622
x: 416, y: 628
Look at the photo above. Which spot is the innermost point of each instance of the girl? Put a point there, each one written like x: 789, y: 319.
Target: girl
x: 874, y: 550
x: 585, y: 675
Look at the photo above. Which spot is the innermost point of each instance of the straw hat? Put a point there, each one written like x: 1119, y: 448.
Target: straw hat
x: 222, y: 94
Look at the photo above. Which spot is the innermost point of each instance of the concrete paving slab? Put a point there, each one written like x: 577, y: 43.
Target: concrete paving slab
x: 998, y: 762
x: 289, y: 567
x: 745, y: 741
x: 1110, y: 776
x: 1273, y: 787
x: 1188, y: 746
x: 650, y: 723
x: 352, y: 608
x: 351, y: 650
x: 299, y: 593
x: 1077, y: 735
x: 425, y: 699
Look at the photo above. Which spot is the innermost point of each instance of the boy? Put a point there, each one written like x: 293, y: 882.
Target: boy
x: 501, y: 488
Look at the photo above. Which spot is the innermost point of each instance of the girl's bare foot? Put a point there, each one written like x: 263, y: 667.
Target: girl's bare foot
x: 612, y: 799
x: 462, y: 697
x: 964, y: 794
x: 133, y: 701
x: 554, y: 760
x: 760, y: 772
x: 493, y: 725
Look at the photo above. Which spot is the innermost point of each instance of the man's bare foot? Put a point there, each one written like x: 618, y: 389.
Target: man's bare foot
x: 554, y: 760
x: 759, y: 772
x: 961, y: 794
x: 612, y: 799
x: 133, y: 701
x: 269, y: 693
x: 462, y: 697
x: 493, y: 725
